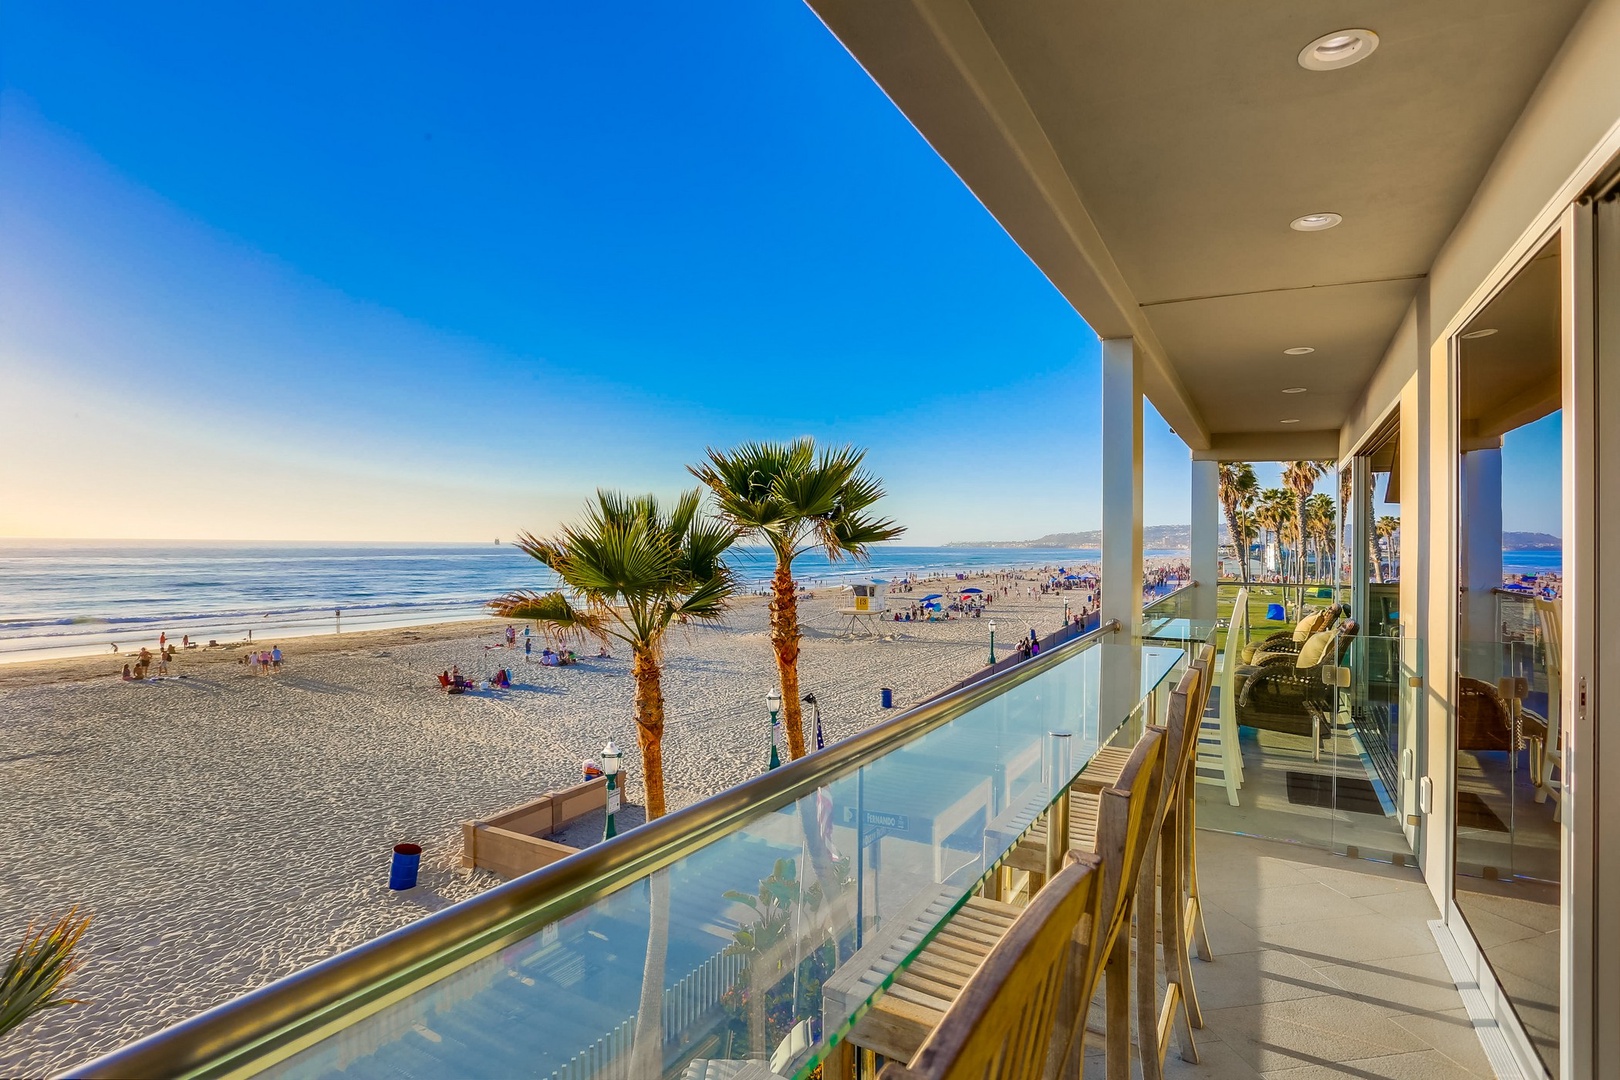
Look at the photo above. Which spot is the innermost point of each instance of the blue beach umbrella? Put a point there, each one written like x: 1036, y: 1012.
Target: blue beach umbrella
x: 966, y: 591
x: 931, y: 596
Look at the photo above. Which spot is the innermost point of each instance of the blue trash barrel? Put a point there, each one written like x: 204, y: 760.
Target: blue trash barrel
x: 1274, y: 612
x: 888, y: 697
x: 407, y: 857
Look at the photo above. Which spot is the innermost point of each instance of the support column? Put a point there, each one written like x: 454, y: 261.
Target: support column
x: 1481, y: 550
x: 1206, y: 536
x: 1121, y: 483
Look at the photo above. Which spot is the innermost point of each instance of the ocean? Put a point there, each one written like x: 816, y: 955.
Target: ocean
x: 74, y: 598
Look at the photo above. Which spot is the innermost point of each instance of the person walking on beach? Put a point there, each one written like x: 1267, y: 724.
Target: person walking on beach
x: 528, y: 647
x: 275, y: 658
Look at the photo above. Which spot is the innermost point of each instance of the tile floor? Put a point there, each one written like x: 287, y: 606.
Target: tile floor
x: 1324, y: 966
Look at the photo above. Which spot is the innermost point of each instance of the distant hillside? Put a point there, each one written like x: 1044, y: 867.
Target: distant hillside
x: 1519, y: 541
x: 1153, y: 536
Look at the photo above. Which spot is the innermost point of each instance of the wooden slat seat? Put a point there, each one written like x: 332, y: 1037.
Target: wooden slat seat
x: 1000, y: 1022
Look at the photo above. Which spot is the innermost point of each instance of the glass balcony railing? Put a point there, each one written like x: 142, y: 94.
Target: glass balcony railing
x: 754, y: 926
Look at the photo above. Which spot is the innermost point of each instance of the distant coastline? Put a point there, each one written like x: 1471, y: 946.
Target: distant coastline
x: 1179, y: 538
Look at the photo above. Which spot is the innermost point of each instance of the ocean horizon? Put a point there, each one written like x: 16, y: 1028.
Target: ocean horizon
x: 80, y: 597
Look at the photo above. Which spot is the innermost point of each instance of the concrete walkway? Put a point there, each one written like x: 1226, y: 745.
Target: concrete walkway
x: 1324, y: 967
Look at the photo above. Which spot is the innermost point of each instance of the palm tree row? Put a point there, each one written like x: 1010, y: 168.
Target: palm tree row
x: 1299, y: 521
x: 632, y: 569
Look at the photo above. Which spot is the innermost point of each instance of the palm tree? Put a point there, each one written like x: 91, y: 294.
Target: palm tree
x: 796, y: 498
x: 1386, y: 530
x: 1319, y: 517
x: 632, y: 569
x: 1300, y: 477
x: 1272, y: 513
x: 1237, y: 488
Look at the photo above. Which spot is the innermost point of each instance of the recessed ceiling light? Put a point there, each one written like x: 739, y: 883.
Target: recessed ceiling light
x: 1315, y: 222
x: 1338, y: 49
x: 1478, y: 334
x: 1298, y: 350
x: 1294, y: 390
x: 1288, y: 421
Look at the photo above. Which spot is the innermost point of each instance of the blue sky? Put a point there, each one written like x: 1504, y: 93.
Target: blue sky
x: 395, y: 272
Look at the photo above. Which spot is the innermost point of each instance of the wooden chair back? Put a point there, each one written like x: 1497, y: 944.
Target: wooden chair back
x: 1125, y: 823
x: 1205, y: 663
x: 1001, y: 1023
x: 1181, y: 730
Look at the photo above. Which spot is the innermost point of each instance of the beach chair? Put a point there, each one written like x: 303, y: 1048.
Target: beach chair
x: 1220, y: 758
x: 1549, y: 613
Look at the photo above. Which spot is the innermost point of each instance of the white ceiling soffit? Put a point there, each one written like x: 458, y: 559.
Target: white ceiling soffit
x: 1148, y: 157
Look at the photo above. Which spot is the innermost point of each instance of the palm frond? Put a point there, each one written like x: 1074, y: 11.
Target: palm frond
x: 32, y: 979
x: 562, y: 619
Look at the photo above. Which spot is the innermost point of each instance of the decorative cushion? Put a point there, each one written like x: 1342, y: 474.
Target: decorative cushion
x: 1310, y: 624
x: 1315, y: 648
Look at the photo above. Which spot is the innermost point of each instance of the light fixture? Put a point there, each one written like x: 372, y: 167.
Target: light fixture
x: 610, y: 759
x: 1299, y: 350
x: 1472, y: 334
x: 1338, y: 49
x: 1294, y: 390
x: 1294, y: 421
x: 1315, y: 222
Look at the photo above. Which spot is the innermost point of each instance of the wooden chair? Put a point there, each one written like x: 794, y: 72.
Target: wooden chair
x: 1168, y: 883
x: 1001, y: 1022
x: 1193, y: 908
x: 1119, y: 828
x: 1162, y: 911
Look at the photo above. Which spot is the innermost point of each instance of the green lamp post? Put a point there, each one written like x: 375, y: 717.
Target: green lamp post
x: 992, y: 643
x: 773, y: 702
x: 610, y: 769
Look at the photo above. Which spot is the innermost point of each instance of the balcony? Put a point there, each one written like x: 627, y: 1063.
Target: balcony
x: 757, y: 927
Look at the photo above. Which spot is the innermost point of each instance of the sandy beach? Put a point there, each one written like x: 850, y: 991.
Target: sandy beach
x: 227, y: 829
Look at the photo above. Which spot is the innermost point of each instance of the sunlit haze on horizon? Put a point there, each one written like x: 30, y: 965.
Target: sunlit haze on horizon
x: 383, y: 273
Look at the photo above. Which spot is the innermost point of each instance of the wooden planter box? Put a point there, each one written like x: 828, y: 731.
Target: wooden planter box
x: 512, y: 843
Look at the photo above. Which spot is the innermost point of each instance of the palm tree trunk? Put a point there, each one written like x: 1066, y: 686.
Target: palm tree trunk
x: 785, y: 640
x: 647, y: 1049
x: 1239, y: 548
x: 650, y: 726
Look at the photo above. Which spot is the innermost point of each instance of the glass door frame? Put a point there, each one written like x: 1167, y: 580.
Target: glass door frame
x: 1579, y: 966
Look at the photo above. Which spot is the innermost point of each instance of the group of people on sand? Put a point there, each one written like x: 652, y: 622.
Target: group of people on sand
x: 263, y: 662
x: 142, y: 668
x: 454, y: 682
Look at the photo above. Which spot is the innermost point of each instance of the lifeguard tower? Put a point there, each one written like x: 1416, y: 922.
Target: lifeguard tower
x: 868, y: 599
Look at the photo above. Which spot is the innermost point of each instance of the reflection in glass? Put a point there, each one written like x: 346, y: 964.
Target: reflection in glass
x: 762, y: 944
x: 1508, y: 619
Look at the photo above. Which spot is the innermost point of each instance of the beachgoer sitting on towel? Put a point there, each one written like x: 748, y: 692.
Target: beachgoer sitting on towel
x: 503, y: 679
x: 603, y: 654
x: 548, y: 657
x: 128, y: 675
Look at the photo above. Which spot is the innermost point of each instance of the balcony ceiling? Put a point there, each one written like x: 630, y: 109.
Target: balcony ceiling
x: 1150, y: 156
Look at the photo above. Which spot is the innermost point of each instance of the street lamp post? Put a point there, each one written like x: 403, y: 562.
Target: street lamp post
x: 1065, y: 612
x: 610, y: 769
x: 773, y: 702
x: 992, y: 643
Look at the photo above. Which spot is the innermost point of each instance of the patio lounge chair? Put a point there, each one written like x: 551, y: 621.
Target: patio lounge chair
x: 1286, y: 693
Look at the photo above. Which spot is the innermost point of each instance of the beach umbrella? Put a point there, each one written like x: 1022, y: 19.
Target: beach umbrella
x: 931, y: 596
x: 966, y: 591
